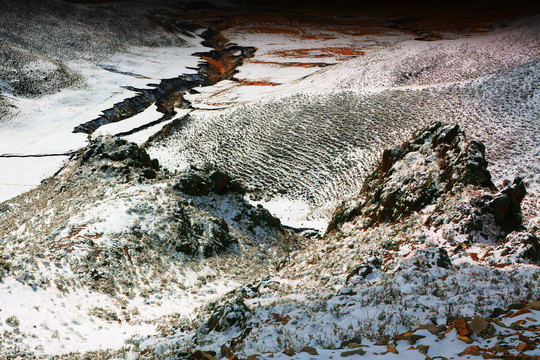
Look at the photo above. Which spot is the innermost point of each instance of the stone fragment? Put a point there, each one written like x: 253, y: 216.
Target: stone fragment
x: 470, y: 350
x: 225, y: 352
x: 201, y: 355
x: 535, y: 305
x: 413, y: 338
x: 423, y: 349
x: 353, y: 352
x: 289, y: 352
x: 520, y: 312
x: 465, y: 339
x: 481, y: 327
x: 392, y: 349
x: 310, y: 350
x: 149, y: 173
x: 434, y: 329
x: 218, y: 181
x: 462, y: 327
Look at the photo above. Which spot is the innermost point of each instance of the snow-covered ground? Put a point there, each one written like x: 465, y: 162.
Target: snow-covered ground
x: 80, y: 320
x: 115, y: 56
x: 45, y: 125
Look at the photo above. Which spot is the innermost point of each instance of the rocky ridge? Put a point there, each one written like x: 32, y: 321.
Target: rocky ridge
x: 113, y: 222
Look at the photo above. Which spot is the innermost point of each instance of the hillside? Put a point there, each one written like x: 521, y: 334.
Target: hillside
x: 227, y: 180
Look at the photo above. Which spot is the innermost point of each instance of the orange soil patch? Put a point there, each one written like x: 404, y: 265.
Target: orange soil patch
x: 256, y: 83
x: 293, y: 64
x: 318, y: 52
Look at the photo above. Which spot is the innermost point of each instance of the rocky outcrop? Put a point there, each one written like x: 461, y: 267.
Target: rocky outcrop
x: 439, y: 160
x: 231, y: 313
x: 506, y: 205
x: 116, y: 156
x: 196, y: 182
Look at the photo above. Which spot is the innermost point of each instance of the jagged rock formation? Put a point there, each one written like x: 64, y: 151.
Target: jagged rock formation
x: 438, y: 162
x: 413, y: 176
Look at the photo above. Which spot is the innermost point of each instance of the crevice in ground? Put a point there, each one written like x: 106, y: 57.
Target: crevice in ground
x: 218, y: 64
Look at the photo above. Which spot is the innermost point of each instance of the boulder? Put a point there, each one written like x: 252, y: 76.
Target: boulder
x: 310, y: 350
x: 482, y: 327
x: 462, y: 327
x: 506, y: 205
x: 192, y: 184
x: 352, y: 352
x: 218, y: 181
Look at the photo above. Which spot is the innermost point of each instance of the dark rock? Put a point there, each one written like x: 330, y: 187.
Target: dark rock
x: 515, y: 306
x: 201, y: 355
x: 352, y: 352
x: 185, y: 247
x: 118, y: 150
x: 506, y: 205
x: 435, y: 161
x: 218, y: 181
x: 434, y: 329
x: 96, y: 275
x: 445, y: 135
x: 354, y: 340
x: 497, y: 312
x: 225, y: 352
x: 423, y: 349
x: 443, y: 260
x: 154, y: 164
x: 482, y: 327
x: 413, y: 338
x: 309, y: 350
x: 149, y: 173
x: 289, y: 352
x: 237, y: 187
x: 192, y: 184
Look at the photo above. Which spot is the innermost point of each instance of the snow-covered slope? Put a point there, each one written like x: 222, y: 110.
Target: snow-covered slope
x: 54, y: 77
x: 112, y: 244
x: 315, y: 139
x: 425, y: 244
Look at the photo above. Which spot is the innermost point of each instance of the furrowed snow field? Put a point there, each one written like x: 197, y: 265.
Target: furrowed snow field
x: 315, y: 139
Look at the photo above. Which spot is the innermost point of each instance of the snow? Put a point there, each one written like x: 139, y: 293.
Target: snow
x: 45, y: 125
x: 56, y: 322
x: 293, y: 213
x: 332, y: 124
